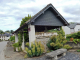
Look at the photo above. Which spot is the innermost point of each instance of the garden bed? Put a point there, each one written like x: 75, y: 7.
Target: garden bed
x: 73, y: 45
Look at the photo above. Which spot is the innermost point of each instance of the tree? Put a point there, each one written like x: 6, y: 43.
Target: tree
x: 1, y: 32
x: 11, y: 31
x: 26, y: 38
x: 25, y: 19
x: 7, y: 31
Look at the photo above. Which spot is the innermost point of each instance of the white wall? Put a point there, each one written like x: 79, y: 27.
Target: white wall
x: 5, y: 38
x: 77, y: 28
x: 31, y: 33
x: 66, y: 30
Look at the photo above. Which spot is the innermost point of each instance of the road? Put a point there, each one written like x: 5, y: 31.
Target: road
x: 2, y: 47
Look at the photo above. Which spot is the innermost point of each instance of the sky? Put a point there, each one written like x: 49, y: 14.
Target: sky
x: 12, y: 11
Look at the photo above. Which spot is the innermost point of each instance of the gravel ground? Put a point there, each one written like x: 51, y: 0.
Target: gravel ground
x: 9, y: 54
x: 70, y: 56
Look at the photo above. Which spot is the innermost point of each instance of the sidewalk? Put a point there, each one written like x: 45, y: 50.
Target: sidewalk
x: 9, y: 54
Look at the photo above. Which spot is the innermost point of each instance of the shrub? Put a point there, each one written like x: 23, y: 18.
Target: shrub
x: 74, y: 35
x: 78, y: 50
x: 54, y: 38
x: 25, y: 56
x: 64, y: 42
x: 12, y: 38
x: 27, y: 44
x: 36, y: 49
x: 16, y: 44
x: 67, y: 46
x: 76, y: 41
x: 57, y: 42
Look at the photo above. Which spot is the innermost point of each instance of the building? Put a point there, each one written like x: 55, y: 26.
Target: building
x: 47, y: 18
x: 5, y: 36
x: 72, y: 28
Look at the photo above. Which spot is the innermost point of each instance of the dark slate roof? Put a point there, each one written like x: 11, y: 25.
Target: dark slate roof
x: 72, y: 26
x: 6, y: 34
x: 41, y: 12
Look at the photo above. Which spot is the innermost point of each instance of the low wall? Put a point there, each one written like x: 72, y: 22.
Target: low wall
x: 44, y: 38
x: 73, y: 45
x: 47, y: 34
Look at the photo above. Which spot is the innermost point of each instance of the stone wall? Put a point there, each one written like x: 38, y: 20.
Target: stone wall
x: 44, y: 38
x: 44, y: 41
x: 73, y: 45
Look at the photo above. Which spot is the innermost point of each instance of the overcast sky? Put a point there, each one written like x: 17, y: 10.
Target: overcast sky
x: 12, y: 11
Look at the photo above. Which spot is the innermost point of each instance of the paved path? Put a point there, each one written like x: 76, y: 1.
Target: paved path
x: 2, y: 46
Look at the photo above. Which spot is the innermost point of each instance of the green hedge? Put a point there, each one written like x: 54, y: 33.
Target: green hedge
x: 74, y: 35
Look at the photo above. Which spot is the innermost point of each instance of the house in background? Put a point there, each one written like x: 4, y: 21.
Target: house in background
x: 5, y: 36
x: 72, y: 28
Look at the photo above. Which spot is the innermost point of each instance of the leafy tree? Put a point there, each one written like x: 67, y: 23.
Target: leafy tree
x: 1, y: 32
x: 25, y: 29
x: 7, y: 31
x: 11, y: 31
x: 25, y: 19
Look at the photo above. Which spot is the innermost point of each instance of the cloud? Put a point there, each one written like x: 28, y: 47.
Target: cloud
x: 12, y: 11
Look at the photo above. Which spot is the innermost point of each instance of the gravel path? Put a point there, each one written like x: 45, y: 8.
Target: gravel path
x: 70, y: 56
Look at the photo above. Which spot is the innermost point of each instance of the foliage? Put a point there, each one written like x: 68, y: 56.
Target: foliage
x: 58, y: 41
x: 78, y: 50
x: 74, y: 35
x: 25, y: 56
x: 16, y: 44
x: 12, y: 38
x: 26, y: 38
x: 53, y: 38
x: 36, y: 49
x: 27, y: 44
x: 9, y: 31
x: 53, y: 30
x: 67, y: 46
x: 76, y: 41
x: 1, y: 32
x: 25, y: 19
x: 48, y: 51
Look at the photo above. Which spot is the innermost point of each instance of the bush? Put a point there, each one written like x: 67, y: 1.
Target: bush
x: 78, y: 50
x: 67, y: 46
x: 76, y: 41
x: 74, y: 35
x: 57, y: 42
x: 36, y: 49
x: 27, y: 44
x: 16, y: 44
x: 12, y: 38
x: 54, y: 38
